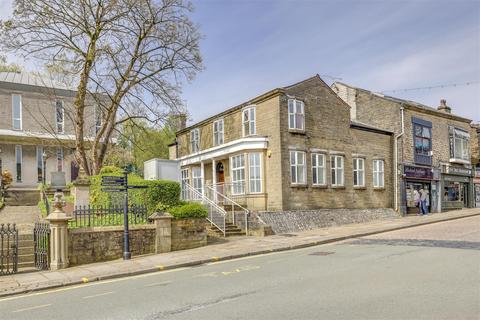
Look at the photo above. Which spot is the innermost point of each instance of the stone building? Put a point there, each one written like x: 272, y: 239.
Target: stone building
x: 36, y: 129
x: 432, y: 147
x: 475, y: 143
x: 290, y: 148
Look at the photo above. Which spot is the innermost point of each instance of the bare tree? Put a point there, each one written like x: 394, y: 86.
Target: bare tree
x: 128, y: 58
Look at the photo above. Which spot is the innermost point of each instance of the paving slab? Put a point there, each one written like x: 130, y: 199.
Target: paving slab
x: 229, y: 249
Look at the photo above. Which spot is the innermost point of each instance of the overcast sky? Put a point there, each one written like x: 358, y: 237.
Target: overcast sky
x: 250, y: 47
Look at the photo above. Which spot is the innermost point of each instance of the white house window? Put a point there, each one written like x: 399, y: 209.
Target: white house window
x: 195, y: 140
x: 297, y: 167
x: 459, y: 144
x: 197, y: 181
x: 358, y: 172
x: 238, y: 174
x: 60, y: 116
x: 98, y: 118
x: 378, y: 174
x: 254, y: 172
x: 185, y: 181
x: 59, y: 159
x: 40, y: 164
x: 17, y: 111
x: 318, y: 169
x: 218, y: 132
x: 336, y: 163
x: 248, y: 121
x: 296, y: 114
x: 18, y: 162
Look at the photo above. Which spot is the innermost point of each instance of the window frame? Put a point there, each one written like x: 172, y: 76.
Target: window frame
x: 252, y: 130
x: 195, y: 132
x: 464, y: 137
x: 293, y: 114
x: 61, y: 123
x: 217, y: 133
x: 256, y: 178
x: 377, y: 173
x: 18, y: 164
x: 40, y: 164
x: 296, y: 165
x: 184, y: 179
x: 238, y: 185
x: 316, y: 168
x: 98, y: 113
x: 334, y: 169
x: 357, y: 170
x: 196, y: 180
x: 20, y: 119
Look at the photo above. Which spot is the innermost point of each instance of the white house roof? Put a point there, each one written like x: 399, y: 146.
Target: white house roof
x: 32, y: 79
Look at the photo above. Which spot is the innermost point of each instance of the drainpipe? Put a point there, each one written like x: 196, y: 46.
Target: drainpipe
x: 395, y: 152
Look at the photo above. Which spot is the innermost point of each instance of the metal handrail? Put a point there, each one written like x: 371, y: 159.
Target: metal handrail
x: 217, y: 194
x: 211, y: 205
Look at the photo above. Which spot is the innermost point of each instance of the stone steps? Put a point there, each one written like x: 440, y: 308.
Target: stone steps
x: 231, y: 230
x: 22, y: 197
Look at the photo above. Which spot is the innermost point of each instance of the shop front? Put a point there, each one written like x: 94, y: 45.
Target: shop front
x: 416, y: 180
x: 457, y: 188
x: 476, y: 186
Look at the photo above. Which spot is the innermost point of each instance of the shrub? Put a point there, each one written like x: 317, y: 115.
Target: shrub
x: 189, y: 210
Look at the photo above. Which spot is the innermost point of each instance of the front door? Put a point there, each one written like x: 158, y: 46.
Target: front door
x: 220, y: 178
x: 465, y: 195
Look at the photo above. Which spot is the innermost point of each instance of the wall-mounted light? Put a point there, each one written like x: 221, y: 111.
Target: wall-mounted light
x: 269, y: 153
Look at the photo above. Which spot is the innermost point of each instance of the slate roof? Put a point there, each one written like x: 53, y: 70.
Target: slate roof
x: 32, y: 79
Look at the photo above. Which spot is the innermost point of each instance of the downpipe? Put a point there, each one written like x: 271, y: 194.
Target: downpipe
x: 395, y: 152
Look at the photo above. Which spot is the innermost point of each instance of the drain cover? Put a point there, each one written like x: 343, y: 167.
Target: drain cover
x: 321, y: 253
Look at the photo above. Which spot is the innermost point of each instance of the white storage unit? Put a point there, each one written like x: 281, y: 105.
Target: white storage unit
x: 161, y: 169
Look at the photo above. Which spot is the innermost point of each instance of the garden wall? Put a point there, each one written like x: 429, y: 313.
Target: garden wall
x: 89, y: 245
x: 188, y: 234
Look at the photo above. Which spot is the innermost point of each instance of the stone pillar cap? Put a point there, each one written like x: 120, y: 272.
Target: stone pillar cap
x: 160, y: 215
x: 58, y: 216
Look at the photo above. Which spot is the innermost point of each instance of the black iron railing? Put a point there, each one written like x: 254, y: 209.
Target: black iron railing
x: 41, y: 243
x: 87, y: 216
x: 8, y: 249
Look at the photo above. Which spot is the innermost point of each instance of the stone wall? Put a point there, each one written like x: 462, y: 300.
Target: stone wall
x: 188, y: 234
x: 89, y: 245
x: 301, y: 220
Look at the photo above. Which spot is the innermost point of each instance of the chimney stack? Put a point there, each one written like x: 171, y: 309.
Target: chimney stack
x: 443, y: 107
x: 180, y: 121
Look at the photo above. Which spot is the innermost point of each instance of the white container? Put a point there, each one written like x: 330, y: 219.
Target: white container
x: 161, y: 169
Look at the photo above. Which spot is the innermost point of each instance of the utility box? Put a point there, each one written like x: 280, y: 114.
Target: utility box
x: 161, y: 169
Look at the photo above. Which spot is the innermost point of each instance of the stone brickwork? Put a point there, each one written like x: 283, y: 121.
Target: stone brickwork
x: 302, y: 220
x: 89, y: 245
x: 188, y: 234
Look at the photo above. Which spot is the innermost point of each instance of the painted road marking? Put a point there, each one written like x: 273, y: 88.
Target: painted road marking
x: 98, y: 295
x: 32, y: 308
x: 164, y: 283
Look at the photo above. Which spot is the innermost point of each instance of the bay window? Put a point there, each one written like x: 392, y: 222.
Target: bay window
x: 459, y: 144
x: 197, y: 181
x: 255, y: 172
x: 238, y: 174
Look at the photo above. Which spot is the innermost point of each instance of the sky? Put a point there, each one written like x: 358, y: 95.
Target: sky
x: 252, y: 46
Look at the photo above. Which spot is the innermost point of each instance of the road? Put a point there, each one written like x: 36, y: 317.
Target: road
x: 427, y: 272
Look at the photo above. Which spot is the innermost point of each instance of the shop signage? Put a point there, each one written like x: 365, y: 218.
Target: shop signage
x: 477, y: 173
x: 418, y: 172
x: 459, y: 171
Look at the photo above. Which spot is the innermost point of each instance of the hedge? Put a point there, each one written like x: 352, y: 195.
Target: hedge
x: 159, y: 194
x: 189, y: 210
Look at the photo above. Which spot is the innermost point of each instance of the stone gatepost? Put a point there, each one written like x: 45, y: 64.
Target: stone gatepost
x: 58, y: 234
x: 163, y: 231
x: 81, y: 189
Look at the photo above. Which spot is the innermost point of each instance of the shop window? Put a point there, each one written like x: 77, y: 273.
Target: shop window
x: 422, y: 136
x: 459, y: 144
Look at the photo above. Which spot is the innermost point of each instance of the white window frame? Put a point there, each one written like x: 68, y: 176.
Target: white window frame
x: 20, y: 119
x: 295, y: 165
x: 39, y: 158
x: 59, y: 156
x: 60, y: 124
x: 185, y: 179
x: 197, y: 181
x: 98, y: 118
x: 378, y: 173
x: 218, y: 135
x: 18, y: 154
x: 252, y: 130
x: 358, y: 172
x: 195, y: 143
x: 237, y: 170
x: 337, y: 172
x: 293, y: 112
x: 317, y: 168
x: 463, y: 145
x: 252, y: 166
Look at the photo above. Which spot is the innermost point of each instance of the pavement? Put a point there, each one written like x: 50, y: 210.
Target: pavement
x: 425, y: 272
x: 224, y: 250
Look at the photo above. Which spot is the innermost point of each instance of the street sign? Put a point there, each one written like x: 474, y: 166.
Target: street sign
x: 112, y: 181
x: 113, y: 189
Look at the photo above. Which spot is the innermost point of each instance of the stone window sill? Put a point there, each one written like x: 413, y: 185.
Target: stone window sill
x: 297, y: 131
x: 378, y: 188
x: 360, y: 187
x: 338, y: 187
x: 298, y: 185
x: 319, y: 186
